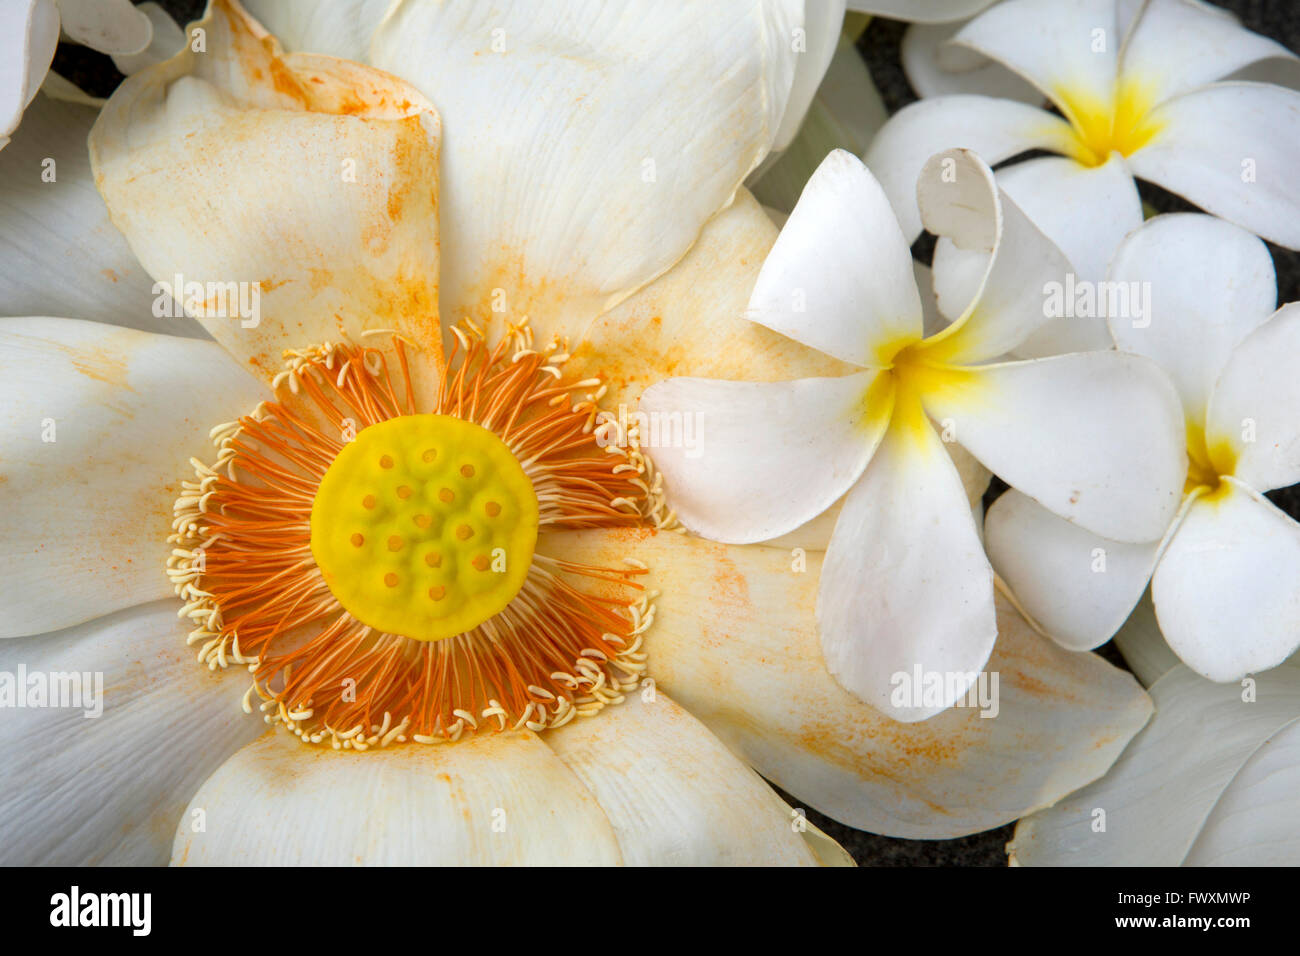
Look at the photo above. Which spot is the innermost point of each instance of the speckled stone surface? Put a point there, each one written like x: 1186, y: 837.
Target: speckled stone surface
x: 879, y: 46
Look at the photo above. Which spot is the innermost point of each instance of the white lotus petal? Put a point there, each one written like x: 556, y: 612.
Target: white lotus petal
x: 921, y: 11
x: 1176, y: 46
x: 166, y: 42
x: 1230, y: 149
x: 324, y: 174
x: 342, y: 28
x: 1096, y: 437
x: 906, y: 585
x: 1068, y: 50
x: 490, y: 800
x: 1253, y: 824
x: 827, y: 851
x: 586, y: 149
x: 821, y: 32
x: 62, y: 254
x: 109, y: 789
x: 996, y: 129
x: 109, y: 26
x: 930, y: 74
x: 839, y: 278
x: 734, y: 642
x: 747, y: 461
x: 960, y: 201
x: 1210, y: 284
x: 1256, y: 404
x: 674, y: 794
x: 1157, y: 797
x: 29, y: 32
x: 690, y: 321
x: 1078, y: 587
x: 97, y: 427
x: 846, y: 113
x: 1227, y: 590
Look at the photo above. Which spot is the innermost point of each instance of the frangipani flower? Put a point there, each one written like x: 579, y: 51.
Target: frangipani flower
x: 29, y: 33
x: 1213, y: 780
x: 1094, y: 437
x: 1225, y: 578
x: 936, y: 67
x: 1149, y: 107
x: 230, y: 164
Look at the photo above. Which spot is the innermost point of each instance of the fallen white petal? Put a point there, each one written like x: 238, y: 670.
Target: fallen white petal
x: 1158, y: 796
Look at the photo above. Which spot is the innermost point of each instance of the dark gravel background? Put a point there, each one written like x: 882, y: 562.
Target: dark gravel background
x: 879, y: 45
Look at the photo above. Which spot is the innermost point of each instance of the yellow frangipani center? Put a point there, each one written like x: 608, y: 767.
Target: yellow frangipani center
x: 1209, y: 462
x: 424, y: 526
x: 1122, y: 126
x: 913, y: 369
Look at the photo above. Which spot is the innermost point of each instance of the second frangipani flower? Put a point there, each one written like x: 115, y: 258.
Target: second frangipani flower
x: 1096, y: 438
x: 1225, y: 578
x: 1143, y: 91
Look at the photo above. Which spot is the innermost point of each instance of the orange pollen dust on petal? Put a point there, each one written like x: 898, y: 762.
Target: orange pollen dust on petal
x: 566, y: 645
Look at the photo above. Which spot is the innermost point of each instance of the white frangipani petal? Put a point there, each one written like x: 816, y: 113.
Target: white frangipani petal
x: 815, y: 285
x: 747, y: 461
x: 1210, y: 283
x: 930, y: 73
x: 674, y: 794
x: 1255, y: 407
x: 109, y: 26
x: 1068, y: 50
x: 996, y: 129
x: 490, y: 800
x: 906, y: 587
x: 1085, y: 212
x: 1176, y: 46
x: 1159, y: 798
x: 734, y: 642
x: 29, y: 33
x: 97, y: 427
x: 167, y: 40
x: 1096, y: 460
x: 960, y: 201
x: 1077, y: 586
x: 1227, y: 589
x: 1230, y: 148
x: 590, y: 146
x: 109, y: 789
